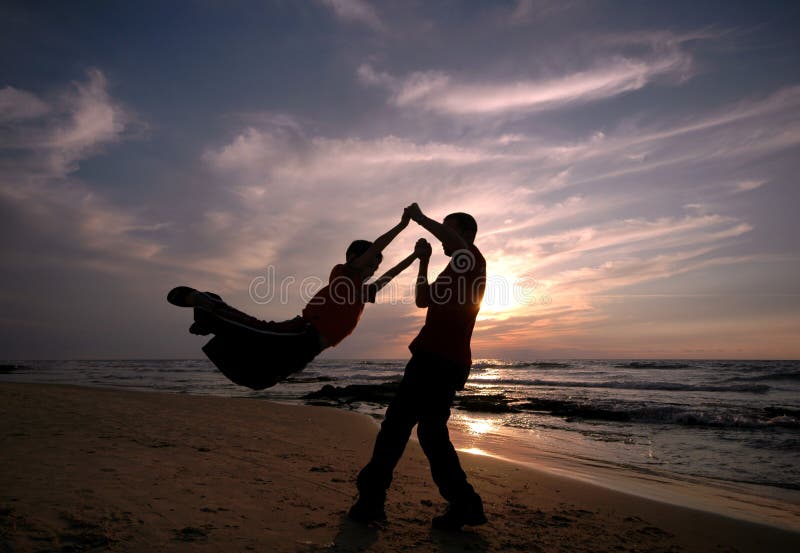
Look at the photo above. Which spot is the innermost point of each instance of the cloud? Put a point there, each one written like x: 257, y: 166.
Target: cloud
x: 257, y: 151
x: 525, y: 11
x: 727, y: 137
x: 50, y: 138
x: 93, y: 121
x: 62, y: 224
x: 579, y: 261
x: 18, y: 104
x: 268, y: 158
x: 439, y: 92
x: 356, y: 11
x: 626, y: 236
x: 271, y: 164
x: 747, y: 185
x: 565, y: 277
x: 45, y: 141
x: 608, y: 76
x: 745, y: 122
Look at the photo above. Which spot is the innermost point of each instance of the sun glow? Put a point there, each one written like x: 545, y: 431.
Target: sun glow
x: 507, y: 293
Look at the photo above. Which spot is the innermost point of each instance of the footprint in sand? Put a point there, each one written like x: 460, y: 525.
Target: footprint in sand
x: 190, y: 533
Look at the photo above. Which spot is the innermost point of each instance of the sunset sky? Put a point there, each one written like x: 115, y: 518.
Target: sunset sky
x: 633, y: 168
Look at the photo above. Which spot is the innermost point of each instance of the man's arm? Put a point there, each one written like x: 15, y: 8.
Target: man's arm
x: 387, y: 277
x: 380, y: 243
x: 447, y: 236
x: 422, y: 293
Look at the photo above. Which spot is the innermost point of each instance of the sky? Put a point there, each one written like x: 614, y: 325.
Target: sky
x: 632, y: 167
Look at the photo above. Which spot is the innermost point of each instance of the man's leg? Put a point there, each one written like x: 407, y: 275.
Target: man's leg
x: 465, y: 505
x: 376, y: 477
x: 446, y: 470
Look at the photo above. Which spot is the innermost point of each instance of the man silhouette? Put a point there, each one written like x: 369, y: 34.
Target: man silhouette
x: 439, y: 366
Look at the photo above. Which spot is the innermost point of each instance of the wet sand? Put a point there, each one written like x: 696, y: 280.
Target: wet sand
x: 93, y: 469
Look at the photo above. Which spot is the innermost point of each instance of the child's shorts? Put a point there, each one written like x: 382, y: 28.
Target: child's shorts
x: 261, y: 354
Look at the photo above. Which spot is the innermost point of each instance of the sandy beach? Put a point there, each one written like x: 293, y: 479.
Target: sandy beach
x: 93, y: 469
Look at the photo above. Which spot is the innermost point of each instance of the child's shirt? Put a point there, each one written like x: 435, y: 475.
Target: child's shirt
x: 334, y: 311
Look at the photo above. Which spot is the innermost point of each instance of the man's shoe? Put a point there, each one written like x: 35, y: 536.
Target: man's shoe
x: 460, y: 514
x: 367, y: 510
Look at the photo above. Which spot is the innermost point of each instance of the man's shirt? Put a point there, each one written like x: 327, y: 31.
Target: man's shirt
x: 454, y: 300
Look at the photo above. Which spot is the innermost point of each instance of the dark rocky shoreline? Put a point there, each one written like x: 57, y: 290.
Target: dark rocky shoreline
x: 8, y: 369
x: 382, y: 394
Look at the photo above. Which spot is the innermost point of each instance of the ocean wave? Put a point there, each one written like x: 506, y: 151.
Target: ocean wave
x: 778, y: 444
x: 792, y: 376
x: 669, y: 414
x: 8, y: 369
x: 123, y: 377
x: 664, y: 386
x: 652, y: 365
x: 753, y: 366
x: 308, y: 379
x: 380, y: 363
x: 521, y: 365
x: 780, y: 411
x: 361, y: 376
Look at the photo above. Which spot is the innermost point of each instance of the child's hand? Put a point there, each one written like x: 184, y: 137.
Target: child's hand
x: 423, y: 249
x: 405, y: 218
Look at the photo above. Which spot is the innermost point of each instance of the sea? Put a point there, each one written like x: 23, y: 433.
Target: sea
x: 692, y: 432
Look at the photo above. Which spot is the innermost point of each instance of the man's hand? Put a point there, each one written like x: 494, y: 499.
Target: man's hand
x: 414, y: 212
x: 423, y: 249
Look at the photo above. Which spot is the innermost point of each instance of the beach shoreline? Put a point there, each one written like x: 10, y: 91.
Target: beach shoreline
x: 759, y: 504
x: 126, y: 471
x: 749, y: 502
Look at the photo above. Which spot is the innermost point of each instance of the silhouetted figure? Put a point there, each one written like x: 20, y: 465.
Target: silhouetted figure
x: 439, y: 366
x: 258, y: 354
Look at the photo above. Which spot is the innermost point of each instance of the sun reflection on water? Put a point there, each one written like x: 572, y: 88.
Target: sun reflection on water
x: 478, y: 427
x: 475, y: 451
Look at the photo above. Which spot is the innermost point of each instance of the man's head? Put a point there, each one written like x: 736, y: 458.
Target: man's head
x: 356, y: 249
x: 464, y: 224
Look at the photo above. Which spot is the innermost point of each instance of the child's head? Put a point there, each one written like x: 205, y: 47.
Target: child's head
x: 356, y: 249
x: 464, y: 224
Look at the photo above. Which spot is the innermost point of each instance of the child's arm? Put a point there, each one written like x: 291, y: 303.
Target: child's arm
x: 447, y: 236
x: 380, y: 243
x: 387, y: 277
x: 422, y: 292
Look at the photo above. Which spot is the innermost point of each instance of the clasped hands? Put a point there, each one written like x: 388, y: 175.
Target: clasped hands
x: 422, y: 249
